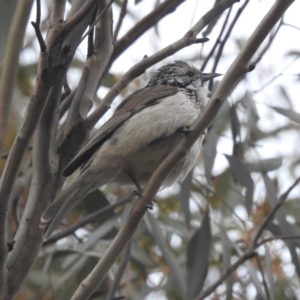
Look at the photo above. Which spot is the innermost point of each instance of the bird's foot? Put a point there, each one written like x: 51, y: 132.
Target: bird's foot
x: 186, y: 129
x: 140, y: 194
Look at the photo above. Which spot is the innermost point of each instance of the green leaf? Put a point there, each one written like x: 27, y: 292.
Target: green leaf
x: 176, y: 270
x: 249, y: 104
x: 265, y: 165
x: 243, y: 176
x: 198, y: 253
x: 185, y: 189
x: 292, y: 115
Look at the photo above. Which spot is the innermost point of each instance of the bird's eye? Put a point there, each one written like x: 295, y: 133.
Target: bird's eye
x: 190, y: 73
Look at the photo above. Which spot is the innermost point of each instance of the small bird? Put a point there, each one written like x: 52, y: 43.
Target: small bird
x: 131, y: 145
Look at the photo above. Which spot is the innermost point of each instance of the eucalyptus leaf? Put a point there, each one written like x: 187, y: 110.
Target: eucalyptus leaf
x: 185, y: 189
x: 243, y: 176
x: 248, y: 102
x: 176, y: 270
x: 292, y: 115
x: 198, y: 254
x: 265, y: 165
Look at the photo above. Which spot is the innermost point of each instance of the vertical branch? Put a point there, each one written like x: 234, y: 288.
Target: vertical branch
x: 58, y: 10
x: 121, y: 18
x: 53, y: 65
x: 10, y: 64
x: 75, y: 130
x: 7, y: 83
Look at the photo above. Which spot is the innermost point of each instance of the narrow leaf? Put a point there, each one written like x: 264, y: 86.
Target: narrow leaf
x: 176, y: 270
x: 243, y: 176
x: 292, y: 115
x: 198, y: 253
x: 283, y: 224
x: 185, y: 189
x: 265, y: 165
x: 249, y: 104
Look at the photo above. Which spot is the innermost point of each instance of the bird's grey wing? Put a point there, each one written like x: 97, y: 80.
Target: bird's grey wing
x: 131, y: 105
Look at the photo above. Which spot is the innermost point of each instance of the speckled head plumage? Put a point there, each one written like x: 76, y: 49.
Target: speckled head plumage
x: 179, y: 74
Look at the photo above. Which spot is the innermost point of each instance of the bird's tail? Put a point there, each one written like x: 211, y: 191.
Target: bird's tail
x: 56, y: 211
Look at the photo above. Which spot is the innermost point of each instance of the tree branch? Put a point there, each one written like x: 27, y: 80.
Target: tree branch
x: 120, y: 20
x: 7, y: 84
x: 223, y: 42
x: 248, y: 255
x: 58, y: 10
x: 143, y: 25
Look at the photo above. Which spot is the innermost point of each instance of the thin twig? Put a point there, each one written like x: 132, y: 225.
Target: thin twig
x: 272, y: 213
x: 79, y: 16
x: 218, y: 40
x: 248, y: 255
x: 97, y: 20
x: 268, y: 45
x: 90, y: 49
x: 224, y: 41
x: 39, y: 36
x: 38, y: 12
x: 279, y: 237
x: 165, y: 8
x: 88, y: 219
x: 121, y: 18
x: 263, y: 277
x: 276, y: 76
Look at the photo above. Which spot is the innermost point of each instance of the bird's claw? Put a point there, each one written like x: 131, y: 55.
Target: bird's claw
x: 150, y: 206
x: 186, y: 130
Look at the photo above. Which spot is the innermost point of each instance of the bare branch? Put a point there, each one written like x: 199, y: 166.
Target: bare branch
x: 263, y: 278
x: 248, y: 255
x: 7, y: 84
x: 58, y: 10
x: 97, y: 19
x: 223, y: 42
x: 143, y: 25
x: 121, y: 18
x: 39, y: 36
x: 79, y: 16
x: 276, y: 76
x: 279, y: 237
x: 38, y: 13
x: 270, y: 41
x: 218, y: 40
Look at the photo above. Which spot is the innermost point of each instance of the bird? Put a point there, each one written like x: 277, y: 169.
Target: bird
x: 143, y: 130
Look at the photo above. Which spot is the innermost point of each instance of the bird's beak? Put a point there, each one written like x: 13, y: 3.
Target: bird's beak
x: 208, y: 76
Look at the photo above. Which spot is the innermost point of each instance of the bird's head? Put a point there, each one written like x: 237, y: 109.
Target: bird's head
x: 181, y: 75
